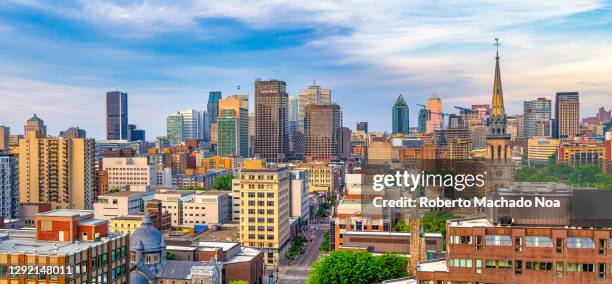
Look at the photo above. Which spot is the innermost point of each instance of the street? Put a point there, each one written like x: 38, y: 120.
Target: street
x: 297, y: 270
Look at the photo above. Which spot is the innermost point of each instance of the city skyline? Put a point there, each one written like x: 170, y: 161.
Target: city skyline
x: 169, y: 59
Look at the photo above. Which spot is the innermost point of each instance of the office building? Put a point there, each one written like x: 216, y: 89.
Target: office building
x: 300, y: 192
x: 135, y: 134
x: 174, y: 129
x: 313, y: 95
x: 482, y: 111
x: 116, y: 115
x: 120, y: 204
x: 9, y: 186
x: 539, y: 150
x: 124, y: 173
x: 252, y: 123
x: 265, y: 210
x: 67, y: 239
x: 5, y: 133
x: 400, y: 117
x: 233, y: 126
x: 73, y: 132
x: 35, y: 125
x: 567, y: 115
x: 422, y: 120
x: 57, y: 171
x: 362, y: 126
x: 537, y: 117
x: 172, y: 202
x: 322, y: 131
x: 583, y: 154
x: 207, y: 208
x: 212, y: 112
x: 323, y: 177
x: 271, y: 121
x: 192, y: 125
x: 296, y: 141
x: 435, y: 118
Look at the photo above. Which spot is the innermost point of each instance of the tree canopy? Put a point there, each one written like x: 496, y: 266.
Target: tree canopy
x: 578, y: 176
x: 435, y: 222
x: 223, y: 182
x: 401, y: 226
x: 358, y: 267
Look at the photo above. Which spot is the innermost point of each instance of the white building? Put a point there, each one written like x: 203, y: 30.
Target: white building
x: 124, y: 172
x: 300, y: 192
x: 206, y: 208
x: 120, y: 204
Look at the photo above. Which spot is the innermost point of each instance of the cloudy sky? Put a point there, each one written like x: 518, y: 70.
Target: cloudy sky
x: 58, y: 60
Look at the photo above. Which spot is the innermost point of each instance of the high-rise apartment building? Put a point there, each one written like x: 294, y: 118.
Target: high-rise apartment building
x: 9, y: 186
x: 313, y: 95
x: 400, y: 117
x: 322, y: 126
x: 5, y: 133
x: 567, y: 115
x: 57, y: 171
x: 271, y: 121
x: 116, y: 115
x: 265, y: 210
x: 233, y: 126
x: 126, y: 172
x: 35, y: 125
x: 537, y: 116
x: 435, y: 119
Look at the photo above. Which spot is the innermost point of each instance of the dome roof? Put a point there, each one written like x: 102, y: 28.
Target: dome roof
x: 146, y: 237
x: 138, y: 278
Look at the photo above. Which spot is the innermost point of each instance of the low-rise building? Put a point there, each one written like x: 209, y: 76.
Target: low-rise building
x: 206, y: 208
x: 121, y: 204
x: 125, y: 171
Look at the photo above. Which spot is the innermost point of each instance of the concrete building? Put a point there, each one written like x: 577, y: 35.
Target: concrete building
x: 235, y: 211
x: 313, y: 95
x: 400, y: 117
x: 567, y: 115
x: 116, y: 115
x: 233, y: 126
x: 435, y: 118
x: 174, y: 129
x: 265, y: 210
x: 300, y: 192
x: 539, y: 150
x: 9, y: 186
x: 207, y: 208
x: 271, y: 121
x: 73, y: 132
x: 212, y: 110
x: 35, y: 125
x: 125, y: 172
x: 362, y: 126
x: 125, y: 224
x: 121, y: 204
x: 537, y: 118
x: 76, y: 246
x: 322, y: 177
x: 322, y: 130
x: 583, y: 154
x: 57, y: 171
x: 5, y: 133
x: 172, y: 202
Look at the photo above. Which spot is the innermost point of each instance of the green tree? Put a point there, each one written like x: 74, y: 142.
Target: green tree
x: 170, y: 255
x: 326, y: 244
x: 401, y: 226
x: 239, y: 282
x: 435, y: 222
x: 193, y: 187
x: 223, y: 182
x: 114, y: 190
x: 357, y: 267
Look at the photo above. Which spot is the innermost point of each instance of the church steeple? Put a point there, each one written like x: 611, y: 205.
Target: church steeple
x: 497, y: 107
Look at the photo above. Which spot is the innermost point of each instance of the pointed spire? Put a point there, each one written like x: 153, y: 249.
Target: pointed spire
x: 497, y: 107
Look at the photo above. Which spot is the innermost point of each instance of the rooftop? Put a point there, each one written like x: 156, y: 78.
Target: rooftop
x: 14, y: 241
x: 66, y: 213
x: 226, y: 246
x: 126, y: 193
x: 436, y: 265
x: 405, y: 234
x: 477, y: 222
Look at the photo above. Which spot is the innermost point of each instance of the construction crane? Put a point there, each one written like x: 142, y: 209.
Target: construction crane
x: 464, y: 110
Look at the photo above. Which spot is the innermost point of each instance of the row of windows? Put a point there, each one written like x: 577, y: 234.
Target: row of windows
x: 261, y: 237
x: 560, y: 267
x: 530, y: 241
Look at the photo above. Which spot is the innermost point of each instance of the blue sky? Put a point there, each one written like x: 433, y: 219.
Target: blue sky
x: 58, y: 58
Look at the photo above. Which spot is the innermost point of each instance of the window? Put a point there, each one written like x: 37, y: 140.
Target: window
x: 580, y: 243
x: 478, y: 242
x: 518, y: 267
x: 538, y: 266
x: 358, y: 226
x: 492, y: 263
x: 498, y: 240
x: 465, y: 240
x: 538, y: 242
x: 580, y: 267
x: 602, y: 271
x: 559, y: 269
x: 559, y: 245
x: 460, y: 262
x: 478, y: 266
x: 602, y: 246
x: 46, y: 226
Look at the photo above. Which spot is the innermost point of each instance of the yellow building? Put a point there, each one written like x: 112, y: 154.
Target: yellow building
x: 264, y: 211
x: 379, y: 150
x: 57, y: 171
x: 583, y: 154
x: 217, y: 162
x: 322, y: 177
x: 539, y: 150
x: 125, y: 224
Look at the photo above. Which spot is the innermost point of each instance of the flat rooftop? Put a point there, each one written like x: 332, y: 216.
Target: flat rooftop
x: 66, y: 213
x: 437, y: 265
x: 126, y: 194
x: 246, y: 254
x: 391, y: 234
x: 226, y: 246
x: 16, y: 241
x: 477, y: 222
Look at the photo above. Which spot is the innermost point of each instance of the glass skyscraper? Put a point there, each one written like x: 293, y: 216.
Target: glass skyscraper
x: 400, y: 116
x: 116, y: 116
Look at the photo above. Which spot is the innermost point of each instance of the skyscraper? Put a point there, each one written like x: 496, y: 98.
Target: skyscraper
x: 116, y: 115
x: 323, y: 123
x: 233, y: 126
x: 212, y: 110
x: 294, y: 124
x: 35, y: 125
x: 73, y: 132
x: 567, y: 115
x: 192, y: 127
x: 400, y: 118
x: 271, y: 120
x: 537, y: 114
x: 435, y: 118
x: 312, y: 95
x: 57, y: 171
x: 362, y: 126
x: 9, y: 186
x: 174, y: 129
x: 422, y: 123
x: 5, y: 133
